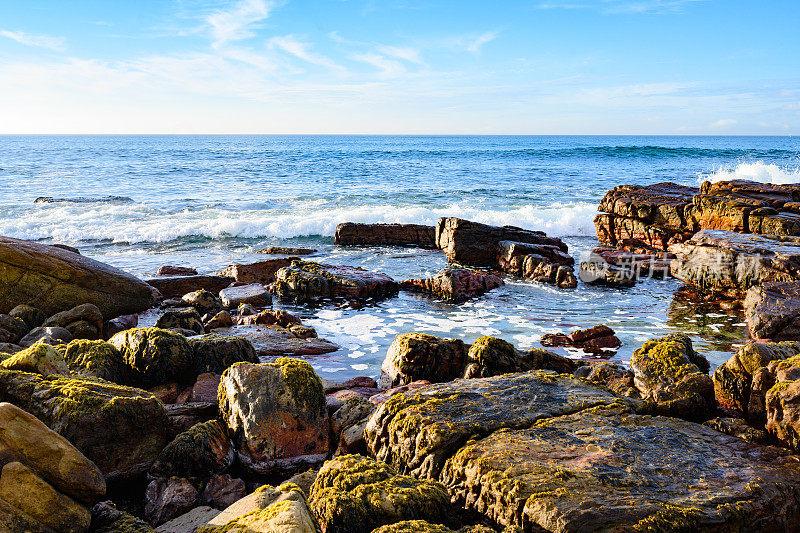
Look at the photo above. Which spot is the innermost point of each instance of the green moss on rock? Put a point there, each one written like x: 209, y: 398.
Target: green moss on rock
x: 98, y: 359
x: 215, y: 353
x: 157, y: 355
x: 40, y: 358
x: 197, y: 454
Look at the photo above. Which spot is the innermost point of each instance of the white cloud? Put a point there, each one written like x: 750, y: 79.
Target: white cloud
x: 406, y: 53
x: 623, y: 6
x: 302, y: 50
x: 389, y: 68
x: 40, y: 41
x: 237, y: 23
x: 475, y: 44
x: 724, y: 123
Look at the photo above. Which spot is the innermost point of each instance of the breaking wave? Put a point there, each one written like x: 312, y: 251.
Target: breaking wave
x: 758, y: 171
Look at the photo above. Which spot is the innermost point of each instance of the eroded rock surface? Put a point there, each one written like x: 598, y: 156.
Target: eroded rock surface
x: 772, y: 311
x: 454, y: 284
x: 352, y: 233
x: 308, y: 281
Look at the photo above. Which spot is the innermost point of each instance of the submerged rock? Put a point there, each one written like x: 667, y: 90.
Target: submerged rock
x: 275, y: 413
x: 52, y: 280
x: 415, y: 356
x: 352, y: 233
x: 305, y: 280
x: 597, y: 339
x: 454, y: 284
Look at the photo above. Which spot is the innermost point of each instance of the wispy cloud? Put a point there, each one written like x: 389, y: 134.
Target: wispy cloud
x: 389, y: 68
x: 623, y: 6
x: 39, y: 41
x: 302, y: 50
x: 406, y: 53
x: 238, y: 22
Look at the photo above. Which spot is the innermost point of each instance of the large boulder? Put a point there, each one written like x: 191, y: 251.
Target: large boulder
x: 40, y: 358
x: 726, y: 264
x: 99, y: 359
x: 354, y: 493
x: 552, y: 453
x: 262, y: 272
x: 772, y: 311
x: 156, y: 355
x: 83, y: 321
x: 664, y: 373
x: 454, y: 284
x: 120, y: 429
x: 53, y: 280
x: 543, y: 262
x: 352, y: 233
x: 214, y: 353
x: 415, y: 356
x: 275, y: 413
x: 474, y: 244
x: 196, y: 454
x: 306, y: 280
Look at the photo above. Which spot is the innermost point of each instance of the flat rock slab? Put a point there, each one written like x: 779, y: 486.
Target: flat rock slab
x: 308, y: 281
x: 53, y: 279
x: 273, y: 340
x: 772, y: 311
x: 352, y: 233
x: 259, y: 272
x: 455, y: 284
x: 177, y: 286
x: 254, y: 294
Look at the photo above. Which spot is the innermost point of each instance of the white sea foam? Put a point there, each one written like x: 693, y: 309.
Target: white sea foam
x: 758, y: 171
x: 142, y: 223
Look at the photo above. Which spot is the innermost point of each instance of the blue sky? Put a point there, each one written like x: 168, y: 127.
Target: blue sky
x: 400, y: 66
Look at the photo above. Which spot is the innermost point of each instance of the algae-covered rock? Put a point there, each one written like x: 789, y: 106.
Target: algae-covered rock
x: 355, y: 493
x: 120, y: 429
x: 306, y: 280
x: 98, y: 359
x: 186, y: 318
x: 738, y: 427
x: 23, y: 489
x: 83, y: 321
x: 275, y: 413
x: 215, y: 353
x: 50, y: 335
x: 783, y: 413
x: 415, y: 356
x: 203, y: 300
x: 268, y: 510
x: 422, y: 526
x: 40, y: 358
x: 664, y: 373
x: 490, y: 356
x: 196, y: 454
x: 26, y: 439
x: 106, y: 518
x: 32, y: 317
x: 613, y: 377
x: 156, y: 355
x: 16, y: 326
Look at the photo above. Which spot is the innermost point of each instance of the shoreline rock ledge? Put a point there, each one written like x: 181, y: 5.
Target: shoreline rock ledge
x: 353, y: 233
x: 53, y: 279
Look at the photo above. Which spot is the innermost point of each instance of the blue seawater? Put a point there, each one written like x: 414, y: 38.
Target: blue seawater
x: 139, y: 202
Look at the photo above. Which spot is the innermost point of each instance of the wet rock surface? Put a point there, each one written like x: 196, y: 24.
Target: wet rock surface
x: 454, y: 284
x: 772, y: 310
x: 309, y: 281
x: 545, y: 263
x: 176, y: 286
x: 415, y: 356
x: 351, y: 233
x: 262, y: 272
x: 272, y: 340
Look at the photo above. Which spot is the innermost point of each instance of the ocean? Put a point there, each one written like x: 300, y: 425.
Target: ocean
x: 139, y: 202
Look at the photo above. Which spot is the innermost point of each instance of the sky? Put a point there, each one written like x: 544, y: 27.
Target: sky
x: 400, y: 67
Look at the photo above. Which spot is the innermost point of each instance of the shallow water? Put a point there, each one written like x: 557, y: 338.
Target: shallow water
x: 139, y: 202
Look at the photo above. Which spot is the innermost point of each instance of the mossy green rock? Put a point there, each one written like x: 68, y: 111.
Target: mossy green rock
x: 40, y: 358
x: 14, y: 325
x: 355, y: 493
x: 196, y: 454
x: 32, y: 317
x: 186, y: 318
x: 783, y: 413
x: 275, y: 414
x: 215, y: 353
x: 421, y: 526
x: 106, y: 518
x: 307, y: 280
x: 664, y: 373
x: 490, y: 356
x: 121, y: 429
x: 97, y: 359
x: 415, y: 356
x: 156, y: 355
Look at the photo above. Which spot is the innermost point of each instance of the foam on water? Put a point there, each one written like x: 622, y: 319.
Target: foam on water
x: 756, y: 171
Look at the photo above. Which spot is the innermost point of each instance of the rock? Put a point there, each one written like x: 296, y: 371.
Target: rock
x: 40, y: 358
x: 12, y: 520
x: 283, y: 250
x: 121, y: 323
x: 738, y: 427
x: 734, y: 378
x: 16, y: 326
x: 545, y: 263
x: 538, y: 359
x: 414, y: 356
x: 220, y: 320
x: 167, y: 393
x: 106, y: 518
x: 182, y: 416
x: 663, y: 372
x: 23, y: 489
x: 176, y: 286
x: 197, y: 454
x: 272, y: 341
x: 352, y: 233
x: 597, y: 340
x: 52, y: 336
x: 454, y: 284
x: 383, y: 396
x: 156, y: 355
x: 190, y: 522
x: 275, y: 413
x: 422, y: 526
x: 305, y: 280
x: 783, y: 413
x: 26, y: 439
x: 120, y: 429
x: 169, y: 270
x: 222, y: 491
x: 32, y: 317
x: 267, y: 510
x: 8, y: 348
x: 7, y: 337
x: 772, y: 311
x: 489, y: 356
x: 98, y: 359
x: 52, y: 280
x: 166, y: 499
x: 187, y: 318
x: 623, y: 268
x: 263, y: 272
x: 348, y: 423
x: 205, y: 388
x: 302, y: 332
x: 727, y: 264
x: 611, y: 376
x: 268, y: 317
x: 84, y: 321
x: 355, y: 493
x: 254, y: 294
x: 203, y: 301
x: 473, y: 244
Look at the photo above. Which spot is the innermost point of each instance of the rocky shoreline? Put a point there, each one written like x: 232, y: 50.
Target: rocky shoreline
x: 213, y: 419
